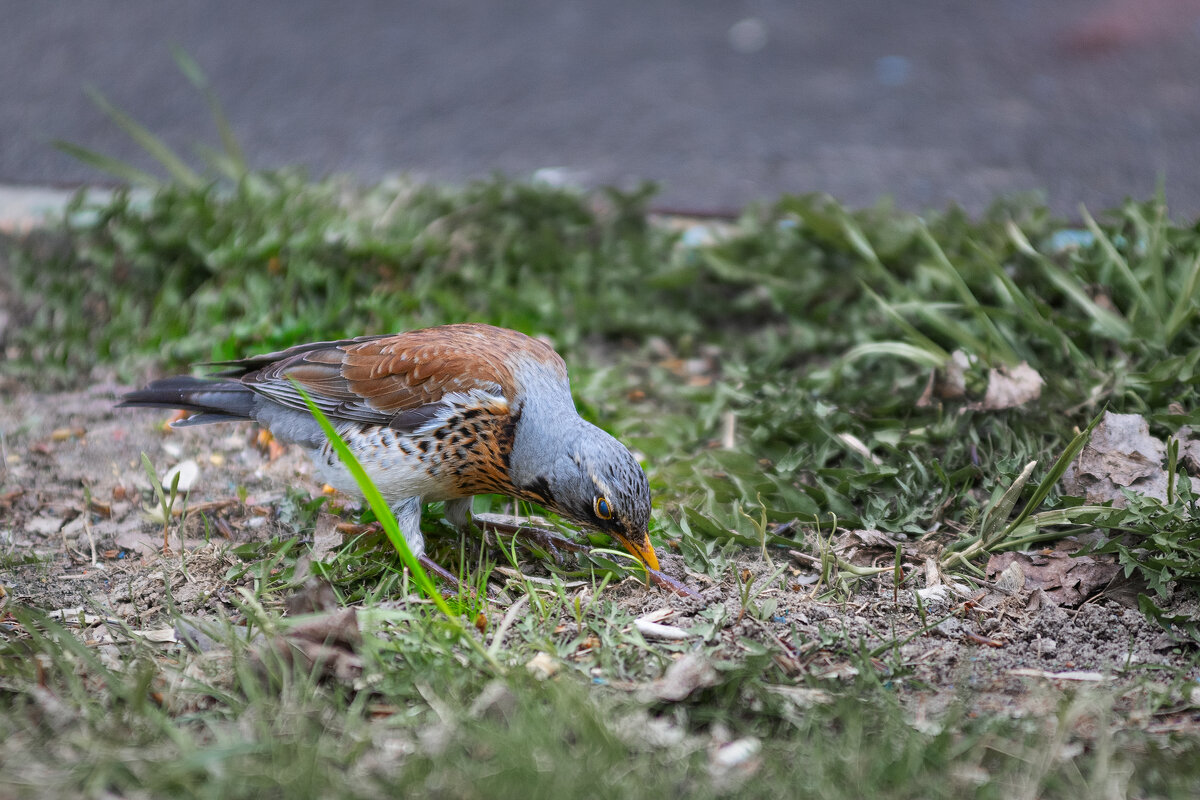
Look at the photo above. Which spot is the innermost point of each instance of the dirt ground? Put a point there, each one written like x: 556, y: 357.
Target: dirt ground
x: 1007, y: 645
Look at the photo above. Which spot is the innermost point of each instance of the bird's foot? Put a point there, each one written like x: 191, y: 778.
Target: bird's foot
x: 444, y: 575
x: 428, y: 564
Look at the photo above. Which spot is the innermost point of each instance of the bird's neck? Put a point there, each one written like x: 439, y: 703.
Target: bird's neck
x: 548, y: 430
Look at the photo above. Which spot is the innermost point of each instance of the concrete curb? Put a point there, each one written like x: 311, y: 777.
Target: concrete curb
x: 23, y: 208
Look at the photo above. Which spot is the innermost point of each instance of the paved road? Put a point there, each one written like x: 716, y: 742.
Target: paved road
x: 929, y: 101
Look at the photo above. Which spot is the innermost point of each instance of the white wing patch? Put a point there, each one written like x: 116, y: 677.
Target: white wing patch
x: 491, y: 399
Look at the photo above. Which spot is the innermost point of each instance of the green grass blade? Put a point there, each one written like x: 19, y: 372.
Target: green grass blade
x: 1151, y: 231
x: 1111, y: 325
x: 860, y: 244
x: 191, y: 70
x: 951, y: 328
x: 115, y: 167
x: 220, y: 161
x: 918, y: 355
x: 1025, y: 310
x: 1143, y: 305
x: 153, y: 145
x: 910, y: 331
x: 1184, y: 308
x: 155, y: 482
x: 1000, y: 343
x: 998, y: 512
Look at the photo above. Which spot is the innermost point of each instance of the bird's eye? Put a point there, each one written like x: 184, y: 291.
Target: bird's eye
x: 602, y: 508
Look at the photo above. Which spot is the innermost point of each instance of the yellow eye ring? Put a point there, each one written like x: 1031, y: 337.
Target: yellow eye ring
x: 602, y: 508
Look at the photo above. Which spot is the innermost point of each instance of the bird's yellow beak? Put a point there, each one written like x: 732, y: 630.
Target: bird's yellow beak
x: 644, y: 551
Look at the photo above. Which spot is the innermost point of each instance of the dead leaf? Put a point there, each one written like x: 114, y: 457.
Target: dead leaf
x: 338, y: 628
x: 1007, y: 387
x: 1121, y: 454
x: 326, y: 646
x: 952, y: 378
x: 315, y: 595
x: 1067, y: 580
x: 926, y: 398
x: 1010, y: 387
x: 864, y: 547
x: 326, y: 536
x: 1012, y: 579
x: 866, y: 538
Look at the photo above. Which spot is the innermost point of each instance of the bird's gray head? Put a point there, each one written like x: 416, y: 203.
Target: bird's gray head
x: 596, y: 482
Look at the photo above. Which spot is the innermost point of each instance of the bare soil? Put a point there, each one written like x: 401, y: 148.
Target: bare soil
x: 1011, y: 647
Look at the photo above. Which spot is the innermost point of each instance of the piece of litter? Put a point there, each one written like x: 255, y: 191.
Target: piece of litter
x: 162, y: 635
x: 654, y: 630
x: 657, y: 616
x: 77, y: 616
x: 187, y: 471
x: 735, y: 753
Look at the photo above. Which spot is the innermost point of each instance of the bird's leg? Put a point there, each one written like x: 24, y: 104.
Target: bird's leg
x: 408, y: 516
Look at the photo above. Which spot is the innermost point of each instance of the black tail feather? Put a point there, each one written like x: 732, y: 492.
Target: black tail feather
x: 211, y: 401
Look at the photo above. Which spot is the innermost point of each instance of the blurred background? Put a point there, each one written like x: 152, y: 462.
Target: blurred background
x: 930, y: 102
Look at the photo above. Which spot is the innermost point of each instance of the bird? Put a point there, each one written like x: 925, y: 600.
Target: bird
x: 433, y: 414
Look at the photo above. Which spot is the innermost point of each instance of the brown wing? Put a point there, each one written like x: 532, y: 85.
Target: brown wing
x: 395, y: 380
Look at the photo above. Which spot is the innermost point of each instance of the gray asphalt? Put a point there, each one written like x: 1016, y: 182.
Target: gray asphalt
x: 926, y: 101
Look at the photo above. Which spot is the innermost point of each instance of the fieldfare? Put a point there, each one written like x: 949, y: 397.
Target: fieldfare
x: 442, y: 413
